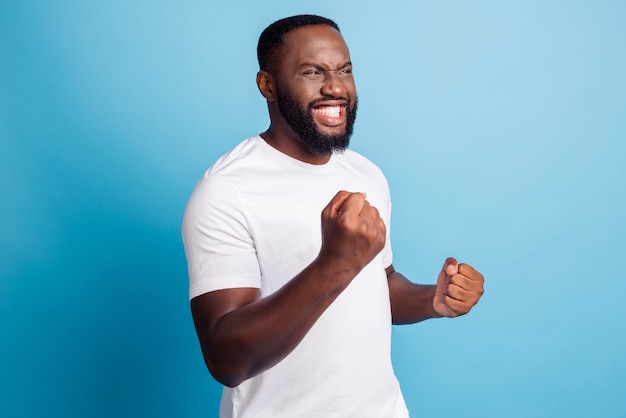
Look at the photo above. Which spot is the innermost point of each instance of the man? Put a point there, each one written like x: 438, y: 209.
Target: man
x: 294, y: 314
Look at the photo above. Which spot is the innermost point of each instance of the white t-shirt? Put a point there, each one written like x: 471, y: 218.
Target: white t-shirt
x: 254, y: 220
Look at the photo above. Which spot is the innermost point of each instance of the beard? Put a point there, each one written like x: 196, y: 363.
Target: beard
x: 303, y: 125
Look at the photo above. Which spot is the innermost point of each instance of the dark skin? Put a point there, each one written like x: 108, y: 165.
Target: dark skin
x: 243, y: 334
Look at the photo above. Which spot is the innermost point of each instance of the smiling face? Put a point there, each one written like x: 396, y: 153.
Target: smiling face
x: 307, y: 128
x: 315, y: 90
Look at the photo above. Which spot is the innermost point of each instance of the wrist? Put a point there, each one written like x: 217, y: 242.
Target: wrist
x: 438, y: 308
x: 334, y: 271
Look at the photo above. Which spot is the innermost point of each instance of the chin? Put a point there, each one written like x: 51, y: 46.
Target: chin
x: 332, y: 131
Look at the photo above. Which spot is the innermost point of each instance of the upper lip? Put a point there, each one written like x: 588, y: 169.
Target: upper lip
x: 329, y: 102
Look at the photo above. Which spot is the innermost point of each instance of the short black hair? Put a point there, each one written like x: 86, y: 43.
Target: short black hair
x: 271, y: 38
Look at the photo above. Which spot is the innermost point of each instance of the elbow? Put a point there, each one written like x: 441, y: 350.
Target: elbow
x: 223, y: 360
x: 227, y: 376
x: 230, y: 382
x: 227, y: 363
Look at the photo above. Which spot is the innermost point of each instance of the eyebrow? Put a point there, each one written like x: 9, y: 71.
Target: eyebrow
x: 320, y: 67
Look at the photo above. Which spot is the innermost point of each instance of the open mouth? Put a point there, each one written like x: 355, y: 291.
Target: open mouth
x: 330, y: 115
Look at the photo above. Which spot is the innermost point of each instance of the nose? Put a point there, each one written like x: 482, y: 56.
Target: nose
x: 333, y: 85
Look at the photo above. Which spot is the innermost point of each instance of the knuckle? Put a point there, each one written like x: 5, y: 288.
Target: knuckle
x: 345, y: 224
x: 382, y: 227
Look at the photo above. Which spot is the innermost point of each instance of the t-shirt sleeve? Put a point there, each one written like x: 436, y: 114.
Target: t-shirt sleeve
x: 220, y: 250
x: 387, y: 253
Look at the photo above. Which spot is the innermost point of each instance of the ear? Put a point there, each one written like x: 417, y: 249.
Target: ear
x: 265, y: 83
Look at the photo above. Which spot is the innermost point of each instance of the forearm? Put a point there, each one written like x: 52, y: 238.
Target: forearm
x: 250, y: 339
x: 410, y: 302
x: 243, y: 335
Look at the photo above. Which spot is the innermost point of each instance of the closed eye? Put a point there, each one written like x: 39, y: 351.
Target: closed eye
x: 317, y: 73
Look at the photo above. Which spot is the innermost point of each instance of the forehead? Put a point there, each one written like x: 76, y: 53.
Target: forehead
x: 315, y: 44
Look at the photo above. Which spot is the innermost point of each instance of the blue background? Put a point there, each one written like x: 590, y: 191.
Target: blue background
x: 500, y: 126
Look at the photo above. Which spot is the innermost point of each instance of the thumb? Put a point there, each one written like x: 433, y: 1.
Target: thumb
x: 336, y: 203
x: 450, y: 267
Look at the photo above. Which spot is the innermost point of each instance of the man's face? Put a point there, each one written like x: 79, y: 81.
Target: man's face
x: 315, y: 90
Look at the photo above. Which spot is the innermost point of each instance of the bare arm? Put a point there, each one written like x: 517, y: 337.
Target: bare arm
x: 458, y: 289
x: 242, y: 334
x: 410, y: 302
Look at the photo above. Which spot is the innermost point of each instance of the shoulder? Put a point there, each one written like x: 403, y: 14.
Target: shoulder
x: 241, y: 163
x: 218, y: 187
x: 243, y: 155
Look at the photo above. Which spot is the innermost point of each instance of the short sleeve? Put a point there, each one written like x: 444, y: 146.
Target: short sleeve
x: 387, y: 253
x: 220, y: 250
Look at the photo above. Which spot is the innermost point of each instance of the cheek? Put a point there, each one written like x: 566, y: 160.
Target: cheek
x: 351, y: 87
x: 309, y: 93
x: 302, y: 93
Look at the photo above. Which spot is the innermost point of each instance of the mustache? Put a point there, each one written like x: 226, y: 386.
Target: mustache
x: 326, y: 98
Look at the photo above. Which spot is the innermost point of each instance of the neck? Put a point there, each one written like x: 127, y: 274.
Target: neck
x: 287, y: 143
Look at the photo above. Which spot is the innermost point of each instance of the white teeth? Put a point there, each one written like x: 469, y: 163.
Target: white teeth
x: 330, y: 111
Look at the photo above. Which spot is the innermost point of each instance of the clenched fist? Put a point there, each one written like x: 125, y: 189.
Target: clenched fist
x: 459, y: 287
x: 352, y: 231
